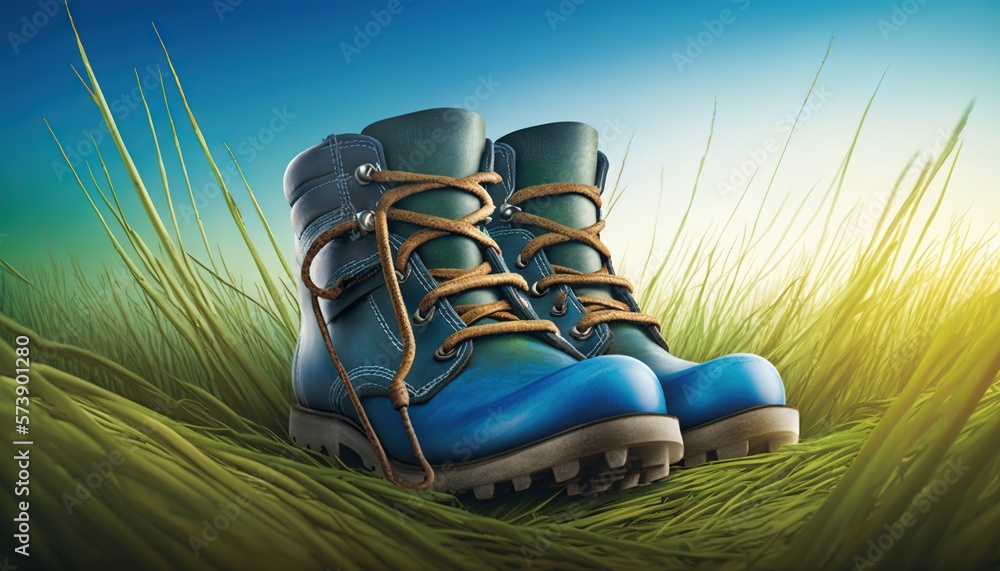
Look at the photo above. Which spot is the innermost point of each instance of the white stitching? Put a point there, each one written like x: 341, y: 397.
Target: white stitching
x: 385, y: 326
x: 507, y: 156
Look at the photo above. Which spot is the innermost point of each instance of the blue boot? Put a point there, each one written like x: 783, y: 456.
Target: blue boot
x: 548, y: 225
x: 419, y: 357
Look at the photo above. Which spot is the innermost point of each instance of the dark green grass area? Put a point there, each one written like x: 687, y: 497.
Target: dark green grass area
x: 160, y: 402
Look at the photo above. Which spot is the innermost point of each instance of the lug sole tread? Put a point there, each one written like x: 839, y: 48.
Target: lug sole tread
x: 623, y: 465
x: 756, y: 431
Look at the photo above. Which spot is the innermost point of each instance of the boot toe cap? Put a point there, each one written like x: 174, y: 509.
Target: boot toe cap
x: 722, y: 386
x: 471, y: 420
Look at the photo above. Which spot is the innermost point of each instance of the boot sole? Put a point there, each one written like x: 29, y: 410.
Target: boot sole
x: 754, y: 431
x: 624, y: 452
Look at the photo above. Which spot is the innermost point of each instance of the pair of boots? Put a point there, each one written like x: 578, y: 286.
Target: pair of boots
x: 463, y: 328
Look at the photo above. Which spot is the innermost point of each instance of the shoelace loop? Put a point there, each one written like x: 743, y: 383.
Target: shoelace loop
x: 598, y: 309
x: 451, y: 281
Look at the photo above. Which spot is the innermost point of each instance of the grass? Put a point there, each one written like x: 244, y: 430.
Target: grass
x: 161, y: 401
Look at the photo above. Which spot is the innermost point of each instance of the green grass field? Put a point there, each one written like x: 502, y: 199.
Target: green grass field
x: 161, y: 397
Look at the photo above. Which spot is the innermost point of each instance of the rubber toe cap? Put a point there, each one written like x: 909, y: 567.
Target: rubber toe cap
x: 720, y: 387
x: 476, y: 416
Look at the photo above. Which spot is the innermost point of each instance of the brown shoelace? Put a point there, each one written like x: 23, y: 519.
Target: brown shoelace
x: 598, y: 309
x: 451, y: 281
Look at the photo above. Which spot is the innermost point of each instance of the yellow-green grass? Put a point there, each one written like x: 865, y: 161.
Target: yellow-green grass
x: 173, y: 374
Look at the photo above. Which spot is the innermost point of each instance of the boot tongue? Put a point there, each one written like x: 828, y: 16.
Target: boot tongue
x: 561, y: 152
x: 567, y: 152
x: 448, y: 142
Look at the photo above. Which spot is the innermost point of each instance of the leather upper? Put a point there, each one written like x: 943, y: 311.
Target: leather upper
x: 696, y: 393
x: 512, y: 240
x: 537, y: 383
x: 323, y: 192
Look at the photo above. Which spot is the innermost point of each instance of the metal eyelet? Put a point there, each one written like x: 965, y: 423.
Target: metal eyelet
x: 519, y: 263
x: 363, y: 174
x: 557, y: 311
x: 441, y: 355
x: 420, y: 319
x: 575, y: 333
x: 507, y: 212
x: 535, y: 292
x: 402, y: 276
x: 366, y: 219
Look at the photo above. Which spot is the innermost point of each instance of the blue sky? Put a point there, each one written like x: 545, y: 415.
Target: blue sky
x: 272, y: 78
